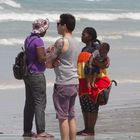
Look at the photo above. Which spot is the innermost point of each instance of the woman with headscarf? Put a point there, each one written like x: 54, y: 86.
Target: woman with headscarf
x: 35, y: 83
x: 88, y: 96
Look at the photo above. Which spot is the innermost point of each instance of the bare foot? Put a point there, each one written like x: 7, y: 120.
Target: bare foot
x: 44, y: 134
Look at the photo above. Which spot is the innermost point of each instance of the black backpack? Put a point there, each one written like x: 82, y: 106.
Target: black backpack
x: 20, y: 68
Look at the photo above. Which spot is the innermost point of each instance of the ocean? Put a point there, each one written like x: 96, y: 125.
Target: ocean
x: 116, y: 22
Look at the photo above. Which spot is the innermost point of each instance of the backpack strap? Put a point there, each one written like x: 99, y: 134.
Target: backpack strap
x: 25, y: 50
x: 28, y: 44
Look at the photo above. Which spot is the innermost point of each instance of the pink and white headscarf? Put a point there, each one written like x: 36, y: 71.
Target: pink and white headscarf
x: 40, y: 26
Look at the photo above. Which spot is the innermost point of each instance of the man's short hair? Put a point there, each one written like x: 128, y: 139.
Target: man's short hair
x: 69, y: 20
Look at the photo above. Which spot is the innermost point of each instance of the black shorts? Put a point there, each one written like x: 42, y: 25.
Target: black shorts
x: 87, y: 104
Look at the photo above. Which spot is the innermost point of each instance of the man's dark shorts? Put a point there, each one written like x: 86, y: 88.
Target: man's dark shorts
x: 64, y: 100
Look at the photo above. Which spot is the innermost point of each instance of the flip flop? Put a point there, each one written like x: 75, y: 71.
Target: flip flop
x: 85, y: 133
x: 80, y: 132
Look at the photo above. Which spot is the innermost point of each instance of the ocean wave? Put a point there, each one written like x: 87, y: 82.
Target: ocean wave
x: 10, y: 3
x: 11, y: 41
x: 20, y: 85
x: 127, y: 81
x: 1, y: 8
x: 19, y: 41
x: 104, y: 36
x: 112, y: 37
x: 133, y: 34
x: 119, y: 35
x: 53, y: 16
x: 26, y: 16
x: 16, y: 41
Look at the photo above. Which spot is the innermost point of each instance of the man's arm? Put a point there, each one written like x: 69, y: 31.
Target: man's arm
x: 54, y: 52
x: 58, y: 47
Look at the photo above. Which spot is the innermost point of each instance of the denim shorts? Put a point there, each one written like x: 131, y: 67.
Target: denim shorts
x: 64, y: 100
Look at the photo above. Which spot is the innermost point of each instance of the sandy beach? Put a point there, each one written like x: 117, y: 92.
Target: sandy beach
x: 118, y: 120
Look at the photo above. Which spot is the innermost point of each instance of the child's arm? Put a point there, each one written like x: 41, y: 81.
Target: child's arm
x: 104, y: 64
x: 91, y: 61
x: 107, y: 62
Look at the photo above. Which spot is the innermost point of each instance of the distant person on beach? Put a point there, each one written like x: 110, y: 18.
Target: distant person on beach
x: 66, y: 83
x: 35, y: 83
x: 97, y: 59
x: 88, y: 103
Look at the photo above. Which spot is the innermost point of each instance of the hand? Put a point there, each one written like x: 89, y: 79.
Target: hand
x: 56, y: 63
x: 50, y: 49
x: 89, y: 85
x: 92, y: 84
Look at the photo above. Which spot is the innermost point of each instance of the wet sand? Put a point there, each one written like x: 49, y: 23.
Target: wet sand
x: 118, y: 120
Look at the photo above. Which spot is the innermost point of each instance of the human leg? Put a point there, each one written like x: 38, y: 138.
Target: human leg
x: 28, y: 110
x: 72, y: 120
x: 85, y: 115
x: 92, y: 118
x: 38, y: 84
x: 64, y: 129
x: 90, y: 110
x: 72, y: 129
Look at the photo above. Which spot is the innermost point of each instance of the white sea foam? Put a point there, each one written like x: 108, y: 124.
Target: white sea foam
x: 113, y: 37
x: 10, y: 3
x: 20, y: 85
x: 1, y: 8
x: 19, y: 41
x: 133, y: 34
x: 127, y: 81
x: 11, y: 41
x: 104, y: 36
x: 118, y: 35
x: 53, y: 16
x: 26, y: 16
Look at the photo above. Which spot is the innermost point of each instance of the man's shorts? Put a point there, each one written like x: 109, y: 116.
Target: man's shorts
x: 64, y: 100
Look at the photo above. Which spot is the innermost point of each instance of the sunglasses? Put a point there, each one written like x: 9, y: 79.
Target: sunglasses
x: 58, y: 23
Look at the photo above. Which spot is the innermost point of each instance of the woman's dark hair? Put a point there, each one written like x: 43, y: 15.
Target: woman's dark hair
x: 92, y: 32
x: 69, y: 20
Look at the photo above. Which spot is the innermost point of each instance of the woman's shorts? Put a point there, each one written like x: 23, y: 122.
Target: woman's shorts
x: 87, y: 105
